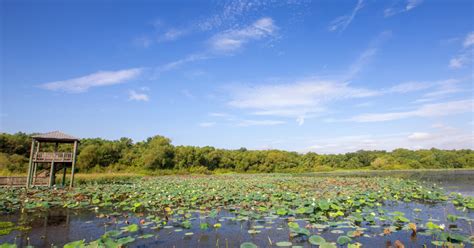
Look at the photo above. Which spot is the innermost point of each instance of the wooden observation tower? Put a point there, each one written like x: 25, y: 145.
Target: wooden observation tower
x: 53, y: 161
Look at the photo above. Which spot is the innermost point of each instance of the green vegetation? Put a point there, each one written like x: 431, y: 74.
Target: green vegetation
x: 157, y: 155
x: 324, y: 211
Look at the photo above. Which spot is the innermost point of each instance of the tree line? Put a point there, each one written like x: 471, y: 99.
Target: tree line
x: 157, y: 154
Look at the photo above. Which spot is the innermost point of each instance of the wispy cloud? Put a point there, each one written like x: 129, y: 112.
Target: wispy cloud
x: 401, y: 7
x: 367, y: 55
x: 233, y: 39
x: 307, y: 97
x: 443, y: 88
x: 172, y: 34
x: 207, y: 124
x: 442, y: 139
x: 420, y: 136
x: 232, y: 120
x: 247, y: 123
x: 222, y: 115
x: 180, y: 62
x: 466, y: 54
x: 297, y: 99
x: 458, y: 62
x: 160, y: 34
x: 410, y: 87
x: 427, y: 110
x: 342, y: 22
x: 234, y: 12
x: 435, y: 89
x: 187, y: 93
x: 225, y: 43
x: 138, y: 96
x: 143, y: 41
x: 229, y: 15
x: 98, y: 79
x: 469, y: 40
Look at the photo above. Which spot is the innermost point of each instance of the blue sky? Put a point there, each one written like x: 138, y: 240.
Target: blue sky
x: 322, y: 76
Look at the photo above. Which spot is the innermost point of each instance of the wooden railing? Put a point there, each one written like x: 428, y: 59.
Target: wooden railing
x: 52, y: 156
x: 12, y: 181
x: 21, y: 181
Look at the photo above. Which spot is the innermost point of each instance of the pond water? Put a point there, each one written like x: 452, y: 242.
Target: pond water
x: 59, y: 226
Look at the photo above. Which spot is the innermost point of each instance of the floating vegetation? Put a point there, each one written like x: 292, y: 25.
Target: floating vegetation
x: 274, y: 209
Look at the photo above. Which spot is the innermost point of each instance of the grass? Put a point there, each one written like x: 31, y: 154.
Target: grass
x: 91, y: 176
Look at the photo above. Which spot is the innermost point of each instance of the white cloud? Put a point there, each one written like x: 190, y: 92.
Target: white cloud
x: 223, y: 44
x: 307, y: 98
x: 364, y: 104
x: 457, y: 62
x: 442, y: 139
x: 231, y: 11
x: 98, y: 79
x: 437, y: 89
x: 234, y: 39
x: 361, y: 62
x: 300, y: 120
x: 444, y: 87
x: 137, y: 96
x: 234, y: 12
x: 411, y: 4
x: 188, y: 94
x: 420, y: 136
x: 465, y: 56
x: 247, y: 123
x: 221, y: 115
x: 400, y: 8
x: 229, y: 14
x: 233, y: 120
x: 469, y: 40
x: 427, y: 110
x: 143, y: 41
x: 366, y: 56
x: 172, y: 34
x: 410, y: 87
x: 443, y: 127
x: 310, y: 92
x: 294, y: 99
x: 341, y: 22
x: 180, y: 62
x: 207, y: 124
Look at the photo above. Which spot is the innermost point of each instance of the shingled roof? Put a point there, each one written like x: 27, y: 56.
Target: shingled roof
x: 55, y: 136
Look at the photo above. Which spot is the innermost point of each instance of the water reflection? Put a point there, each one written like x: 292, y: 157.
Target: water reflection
x: 61, y: 226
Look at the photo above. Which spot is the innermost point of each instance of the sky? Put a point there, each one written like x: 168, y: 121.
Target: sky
x: 320, y: 76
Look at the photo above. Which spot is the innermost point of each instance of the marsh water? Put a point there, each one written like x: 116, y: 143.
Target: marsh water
x: 57, y: 227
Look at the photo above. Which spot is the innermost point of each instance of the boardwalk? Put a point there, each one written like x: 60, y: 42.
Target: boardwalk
x: 17, y: 181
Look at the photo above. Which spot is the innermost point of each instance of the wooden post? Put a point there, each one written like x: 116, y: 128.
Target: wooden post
x: 35, y: 166
x: 73, y: 164
x: 64, y: 174
x: 52, y: 178
x: 30, y: 164
x: 51, y: 174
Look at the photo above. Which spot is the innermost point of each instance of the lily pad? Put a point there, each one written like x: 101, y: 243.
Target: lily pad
x: 283, y: 244
x: 316, y: 240
x: 248, y: 245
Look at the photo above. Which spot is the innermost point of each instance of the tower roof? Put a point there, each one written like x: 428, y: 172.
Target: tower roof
x: 55, y: 136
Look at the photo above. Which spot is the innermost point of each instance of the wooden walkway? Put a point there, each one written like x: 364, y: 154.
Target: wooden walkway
x: 21, y: 181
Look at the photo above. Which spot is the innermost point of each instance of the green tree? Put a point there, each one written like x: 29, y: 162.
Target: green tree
x: 158, y: 153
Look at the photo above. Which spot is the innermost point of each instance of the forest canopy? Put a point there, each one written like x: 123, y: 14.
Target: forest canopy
x: 157, y: 154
